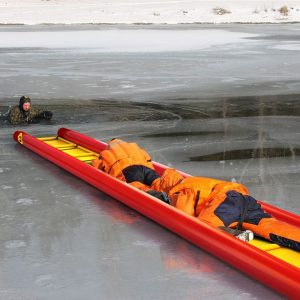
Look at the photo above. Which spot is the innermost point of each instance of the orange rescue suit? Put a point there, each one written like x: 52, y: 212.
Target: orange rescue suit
x: 222, y: 203
x: 119, y: 155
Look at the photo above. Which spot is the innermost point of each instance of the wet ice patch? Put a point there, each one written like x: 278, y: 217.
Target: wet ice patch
x: 127, y: 86
x: 288, y: 47
x: 127, y: 40
x: 267, y: 152
x: 6, y: 187
x: 8, y: 218
x: 145, y: 244
x: 116, y: 258
x: 14, y: 244
x: 231, y: 79
x: 91, y: 85
x: 44, y: 280
x: 23, y: 186
x: 53, y: 191
x: 25, y: 201
x: 13, y: 295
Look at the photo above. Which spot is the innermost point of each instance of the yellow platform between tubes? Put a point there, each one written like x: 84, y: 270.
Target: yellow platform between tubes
x: 72, y: 149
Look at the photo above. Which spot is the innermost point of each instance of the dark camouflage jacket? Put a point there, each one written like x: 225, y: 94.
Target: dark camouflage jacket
x: 16, y: 116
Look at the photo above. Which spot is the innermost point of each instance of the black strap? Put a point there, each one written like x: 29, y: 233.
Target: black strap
x: 196, y: 202
x: 103, y: 169
x: 231, y: 231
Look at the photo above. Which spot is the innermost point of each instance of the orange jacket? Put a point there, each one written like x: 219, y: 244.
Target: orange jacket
x: 191, y: 195
x: 169, y: 179
x: 194, y: 195
x: 120, y: 155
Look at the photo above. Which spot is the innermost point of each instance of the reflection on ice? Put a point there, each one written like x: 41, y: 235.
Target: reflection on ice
x: 25, y: 201
x: 142, y: 40
x: 15, y: 244
x: 289, y: 47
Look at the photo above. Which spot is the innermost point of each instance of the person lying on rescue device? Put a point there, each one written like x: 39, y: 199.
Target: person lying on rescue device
x: 226, y: 205
x: 129, y: 163
x: 25, y: 113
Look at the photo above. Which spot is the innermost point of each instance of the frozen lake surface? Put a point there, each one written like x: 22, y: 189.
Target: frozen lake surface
x: 214, y: 101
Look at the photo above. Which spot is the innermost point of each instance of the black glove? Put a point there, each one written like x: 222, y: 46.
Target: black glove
x: 159, y: 195
x: 47, y: 114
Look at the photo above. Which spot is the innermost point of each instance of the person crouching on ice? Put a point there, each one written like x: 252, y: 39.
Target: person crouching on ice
x: 25, y: 113
x: 129, y: 163
x: 225, y: 205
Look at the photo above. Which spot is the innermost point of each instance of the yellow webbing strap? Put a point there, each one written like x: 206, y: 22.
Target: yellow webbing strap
x: 70, y: 148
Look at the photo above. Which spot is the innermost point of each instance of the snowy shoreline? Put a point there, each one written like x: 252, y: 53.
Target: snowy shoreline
x: 34, y: 12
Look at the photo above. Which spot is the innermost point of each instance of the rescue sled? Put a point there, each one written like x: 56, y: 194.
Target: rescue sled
x: 275, y: 266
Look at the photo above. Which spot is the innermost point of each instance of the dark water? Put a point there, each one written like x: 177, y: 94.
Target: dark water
x: 284, y: 151
x: 94, y: 111
x: 191, y: 108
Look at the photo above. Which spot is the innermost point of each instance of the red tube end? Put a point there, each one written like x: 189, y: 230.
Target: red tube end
x: 62, y: 131
x: 16, y: 135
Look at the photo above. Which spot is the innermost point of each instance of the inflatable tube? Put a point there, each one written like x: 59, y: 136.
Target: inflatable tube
x: 98, y: 146
x: 269, y: 270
